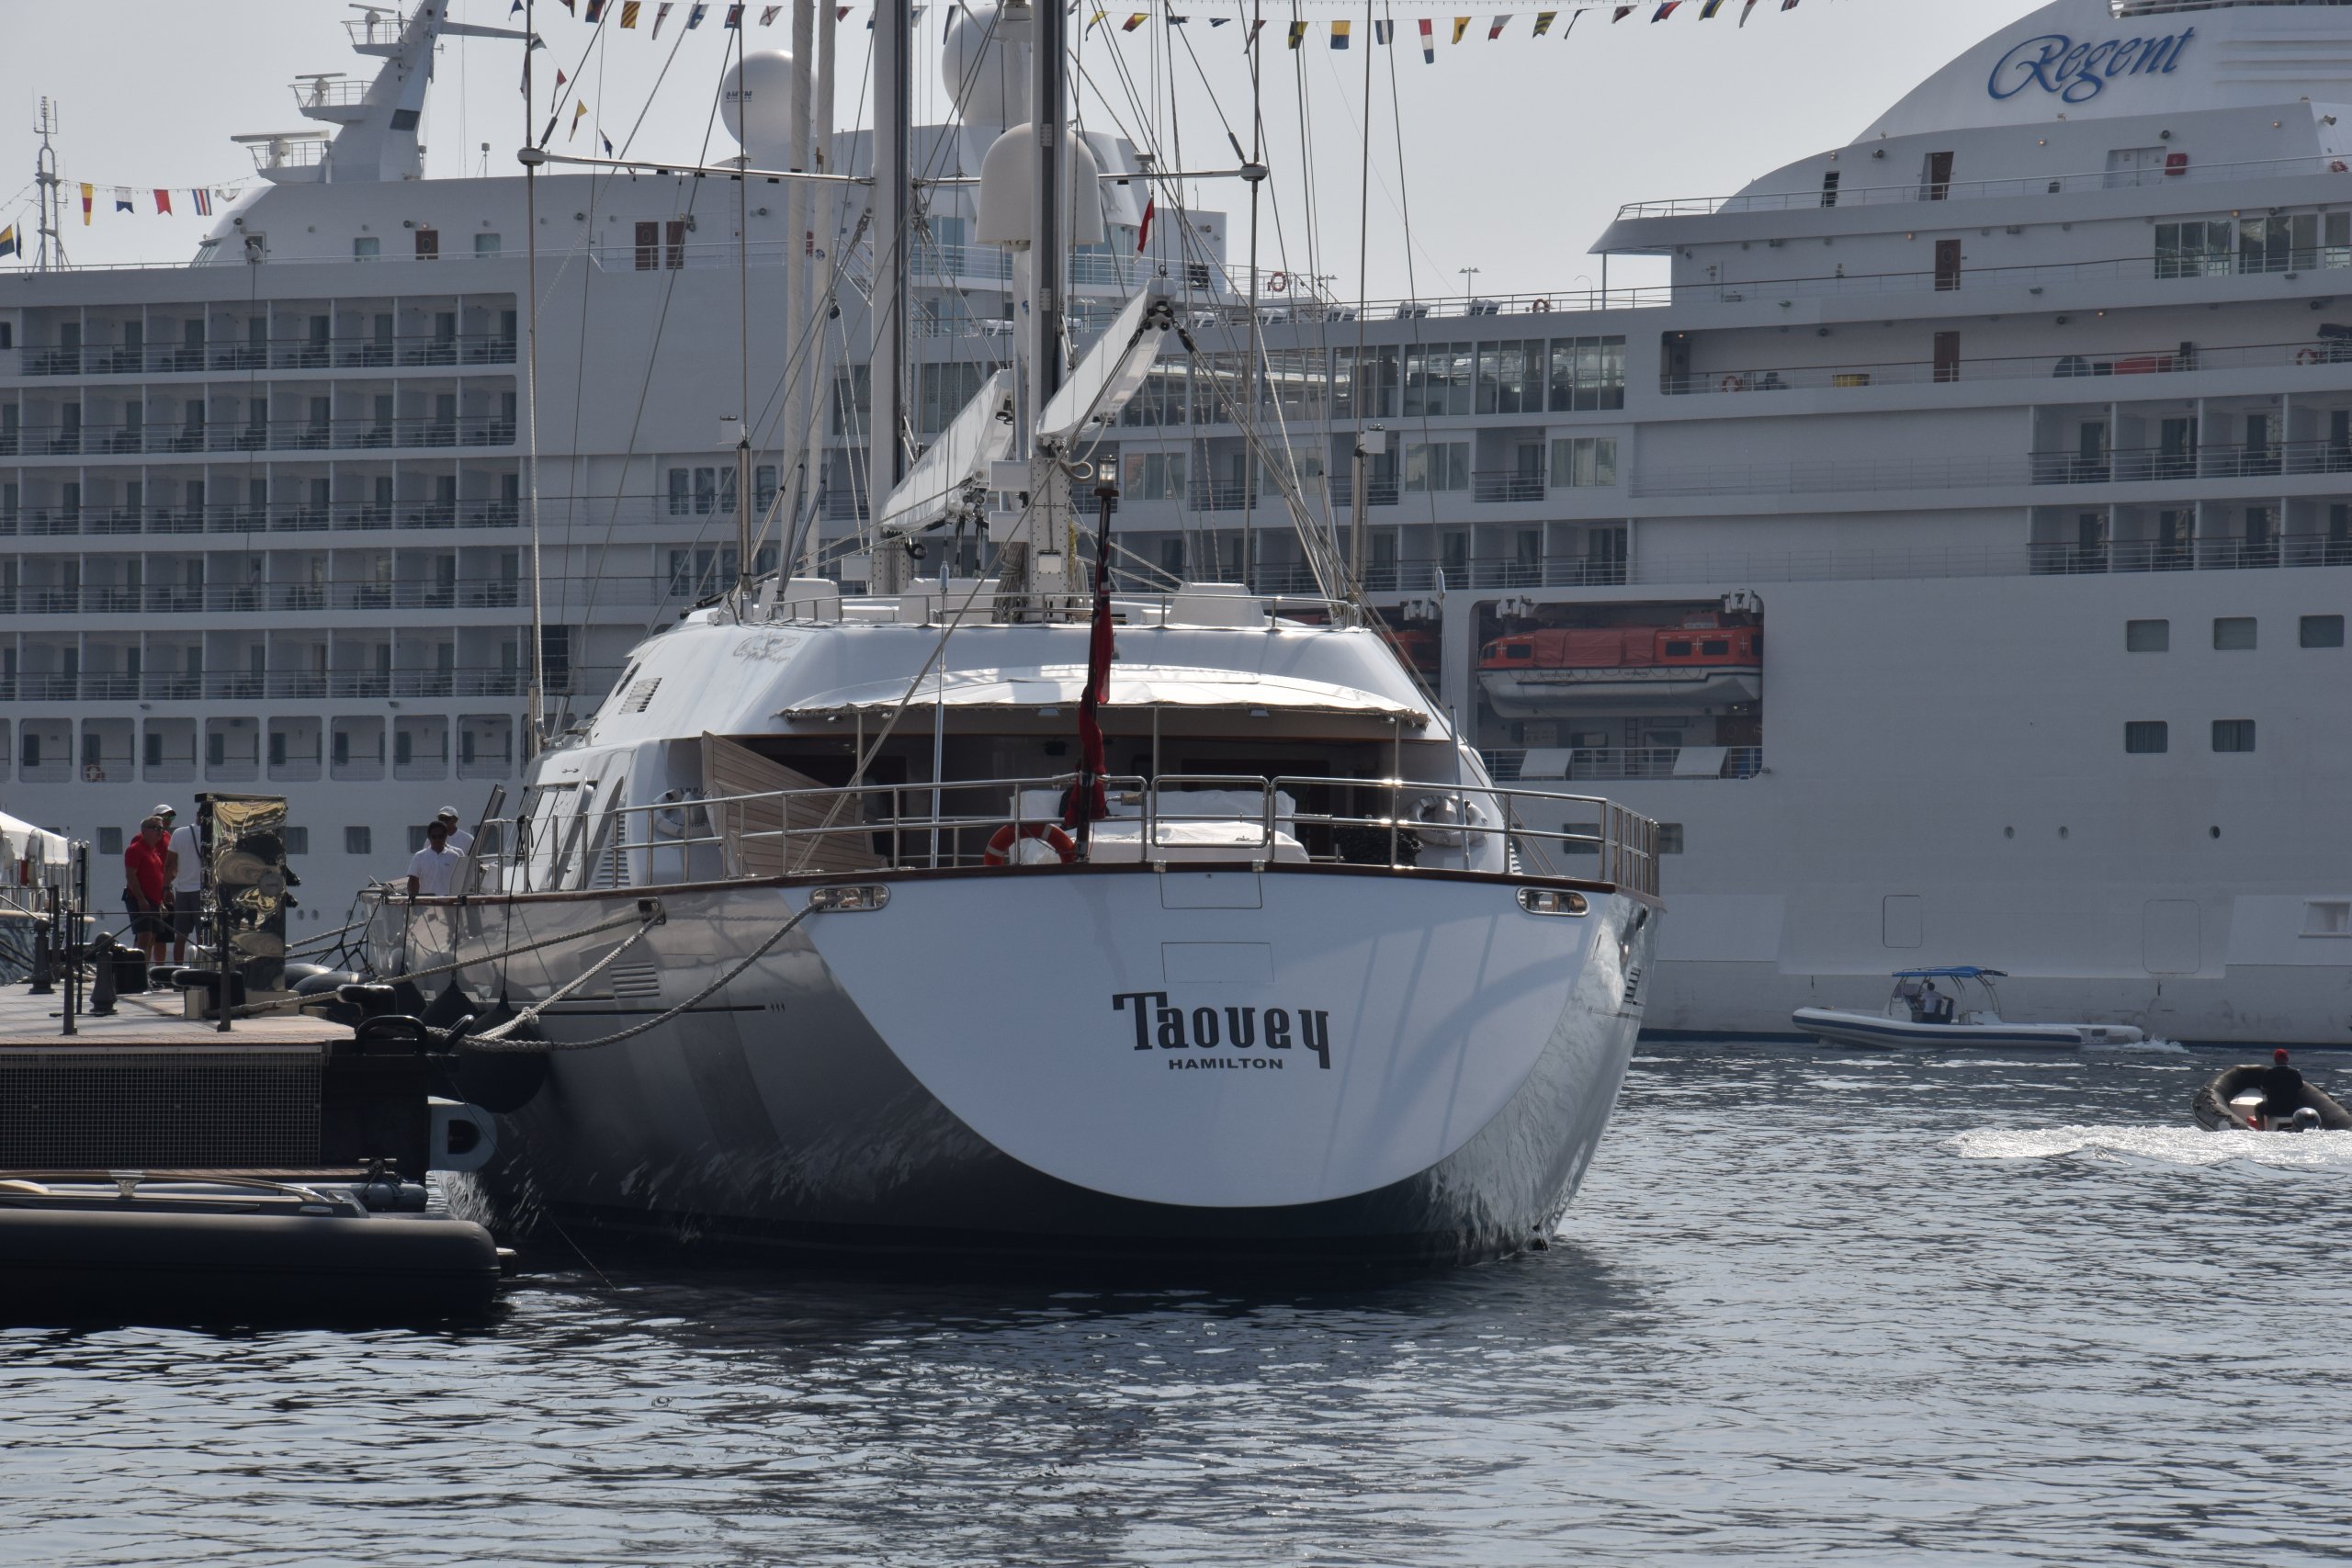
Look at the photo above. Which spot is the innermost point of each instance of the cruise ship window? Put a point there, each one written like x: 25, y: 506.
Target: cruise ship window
x: 1935, y: 177
x: 2233, y: 633
x: 486, y: 244
x: 2322, y: 631
x: 674, y: 236
x: 705, y: 491
x: 2147, y: 637
x: 110, y: 841
x: 2233, y: 735
x: 366, y: 248
x: 2147, y: 737
x: 2202, y: 247
x: 1585, y: 460
x: 358, y: 840
x: 1669, y: 837
x: 679, y: 505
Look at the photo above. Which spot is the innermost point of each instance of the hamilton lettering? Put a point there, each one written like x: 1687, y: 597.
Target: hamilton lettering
x: 1165, y: 1026
x: 2078, y: 72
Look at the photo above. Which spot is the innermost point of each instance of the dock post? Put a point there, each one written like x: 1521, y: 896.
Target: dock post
x: 102, y: 957
x: 44, y: 981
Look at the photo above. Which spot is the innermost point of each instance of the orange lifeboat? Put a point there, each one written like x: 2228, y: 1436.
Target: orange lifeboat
x: 1637, y: 668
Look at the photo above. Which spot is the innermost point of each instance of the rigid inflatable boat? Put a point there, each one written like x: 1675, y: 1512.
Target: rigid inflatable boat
x: 125, y: 1248
x: 2233, y: 1102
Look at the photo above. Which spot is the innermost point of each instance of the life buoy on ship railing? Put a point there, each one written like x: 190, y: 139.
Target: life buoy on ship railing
x: 1731, y: 384
x: 999, y: 849
x: 1542, y: 307
x: 1276, y: 282
x: 2338, y: 166
x: 2310, y: 356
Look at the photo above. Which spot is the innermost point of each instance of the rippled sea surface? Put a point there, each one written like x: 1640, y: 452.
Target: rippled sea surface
x: 1809, y: 1306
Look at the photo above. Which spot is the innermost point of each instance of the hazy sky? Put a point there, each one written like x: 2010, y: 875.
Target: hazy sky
x: 1514, y: 154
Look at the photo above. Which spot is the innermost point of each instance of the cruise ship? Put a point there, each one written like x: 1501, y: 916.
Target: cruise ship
x: 1953, y: 556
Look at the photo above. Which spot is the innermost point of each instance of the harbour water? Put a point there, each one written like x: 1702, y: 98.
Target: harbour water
x: 1809, y: 1306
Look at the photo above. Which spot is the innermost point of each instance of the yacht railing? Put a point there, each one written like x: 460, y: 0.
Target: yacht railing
x: 1393, y: 824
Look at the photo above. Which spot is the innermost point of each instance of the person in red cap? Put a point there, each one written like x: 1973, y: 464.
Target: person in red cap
x: 2282, y: 1090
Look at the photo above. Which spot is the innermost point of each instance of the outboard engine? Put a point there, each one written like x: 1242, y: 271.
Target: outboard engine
x: 2306, y: 1120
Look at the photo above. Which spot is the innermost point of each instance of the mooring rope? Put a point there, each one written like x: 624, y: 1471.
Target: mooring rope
x: 498, y: 1041
x: 650, y: 910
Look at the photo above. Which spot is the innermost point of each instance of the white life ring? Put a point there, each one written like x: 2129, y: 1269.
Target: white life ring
x: 2310, y: 356
x: 1442, y: 821
x: 1542, y: 307
x: 1277, y: 282
x: 1731, y: 384
x: 92, y: 773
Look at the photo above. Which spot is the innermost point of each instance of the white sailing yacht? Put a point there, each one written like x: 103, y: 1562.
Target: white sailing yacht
x: 1020, y: 914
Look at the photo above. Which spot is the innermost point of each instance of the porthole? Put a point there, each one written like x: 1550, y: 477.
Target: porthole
x: 2009, y: 832
x: 2062, y: 832
x: 2213, y: 832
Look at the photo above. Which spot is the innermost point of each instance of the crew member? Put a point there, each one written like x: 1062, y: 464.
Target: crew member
x: 459, y: 840
x: 2283, y: 1089
x: 184, y: 865
x: 145, y: 890
x: 1931, y: 1004
x: 433, y: 870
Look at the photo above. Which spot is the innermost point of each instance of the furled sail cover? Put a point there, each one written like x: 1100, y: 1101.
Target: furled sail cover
x: 977, y: 437
x: 1113, y: 371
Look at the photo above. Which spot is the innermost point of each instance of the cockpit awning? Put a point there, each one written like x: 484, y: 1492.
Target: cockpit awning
x: 1058, y: 685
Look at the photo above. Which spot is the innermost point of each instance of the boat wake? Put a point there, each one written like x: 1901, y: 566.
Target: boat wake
x: 2189, y: 1147
x: 2137, y: 1047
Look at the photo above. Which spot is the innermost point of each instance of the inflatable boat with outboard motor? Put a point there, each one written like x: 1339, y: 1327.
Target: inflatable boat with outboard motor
x: 1918, y: 1014
x: 2275, y: 1099
x: 127, y: 1248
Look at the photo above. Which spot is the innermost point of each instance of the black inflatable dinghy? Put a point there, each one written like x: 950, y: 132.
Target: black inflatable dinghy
x: 2232, y: 1102
x: 129, y: 1249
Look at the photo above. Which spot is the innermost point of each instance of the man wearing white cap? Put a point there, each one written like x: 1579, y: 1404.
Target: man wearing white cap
x: 459, y: 840
x: 184, y: 864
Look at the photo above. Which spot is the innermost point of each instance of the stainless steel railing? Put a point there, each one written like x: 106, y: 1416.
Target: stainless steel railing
x: 1393, y: 824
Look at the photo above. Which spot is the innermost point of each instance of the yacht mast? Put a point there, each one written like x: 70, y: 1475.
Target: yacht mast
x: 50, y: 255
x: 893, y: 128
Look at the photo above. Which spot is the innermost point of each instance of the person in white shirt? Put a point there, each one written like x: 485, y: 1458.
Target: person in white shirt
x: 433, y: 870
x: 184, y: 866
x: 459, y: 840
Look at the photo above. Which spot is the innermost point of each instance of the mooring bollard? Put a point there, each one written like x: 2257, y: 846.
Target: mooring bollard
x: 102, y: 952
x: 44, y: 975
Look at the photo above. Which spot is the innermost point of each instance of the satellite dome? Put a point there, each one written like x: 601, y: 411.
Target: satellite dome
x: 1007, y: 176
x: 987, y: 65
x: 755, y: 98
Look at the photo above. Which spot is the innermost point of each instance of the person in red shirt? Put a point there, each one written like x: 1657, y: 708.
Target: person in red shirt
x: 144, y: 890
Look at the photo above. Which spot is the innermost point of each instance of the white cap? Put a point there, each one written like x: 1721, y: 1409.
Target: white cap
x: 166, y: 809
x: 448, y: 811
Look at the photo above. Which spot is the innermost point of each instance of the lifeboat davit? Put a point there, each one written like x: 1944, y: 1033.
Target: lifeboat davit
x: 1645, y: 669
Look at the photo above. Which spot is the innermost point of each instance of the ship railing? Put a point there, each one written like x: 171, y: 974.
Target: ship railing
x: 1929, y: 190
x: 2179, y: 359
x: 405, y: 349
x: 1395, y: 824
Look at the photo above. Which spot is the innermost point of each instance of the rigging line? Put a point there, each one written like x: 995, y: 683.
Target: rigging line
x: 644, y: 385
x: 1412, y: 282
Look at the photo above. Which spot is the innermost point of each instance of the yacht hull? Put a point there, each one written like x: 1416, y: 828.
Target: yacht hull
x: 1368, y: 1063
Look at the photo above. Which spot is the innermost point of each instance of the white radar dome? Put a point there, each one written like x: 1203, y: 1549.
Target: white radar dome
x: 986, y: 64
x: 755, y: 99
x: 1008, y: 173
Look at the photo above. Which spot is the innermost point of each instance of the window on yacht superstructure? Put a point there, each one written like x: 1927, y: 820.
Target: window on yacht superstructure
x: 1435, y: 466
x: 2233, y: 735
x: 2147, y: 637
x: 1587, y: 374
x: 2147, y: 737
x: 2233, y: 633
x: 368, y: 248
x: 2321, y: 631
x: 486, y: 244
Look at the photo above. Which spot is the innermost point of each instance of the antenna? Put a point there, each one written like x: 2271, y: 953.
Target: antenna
x: 50, y: 255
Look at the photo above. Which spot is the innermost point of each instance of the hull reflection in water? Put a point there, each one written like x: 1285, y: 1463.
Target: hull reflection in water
x: 1217, y: 1060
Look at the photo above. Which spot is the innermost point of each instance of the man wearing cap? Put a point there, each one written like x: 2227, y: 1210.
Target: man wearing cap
x: 459, y: 840
x: 2282, y: 1090
x: 184, y: 866
x: 145, y: 890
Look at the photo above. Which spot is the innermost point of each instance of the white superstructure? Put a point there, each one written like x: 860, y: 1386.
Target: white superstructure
x: 2019, y: 432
